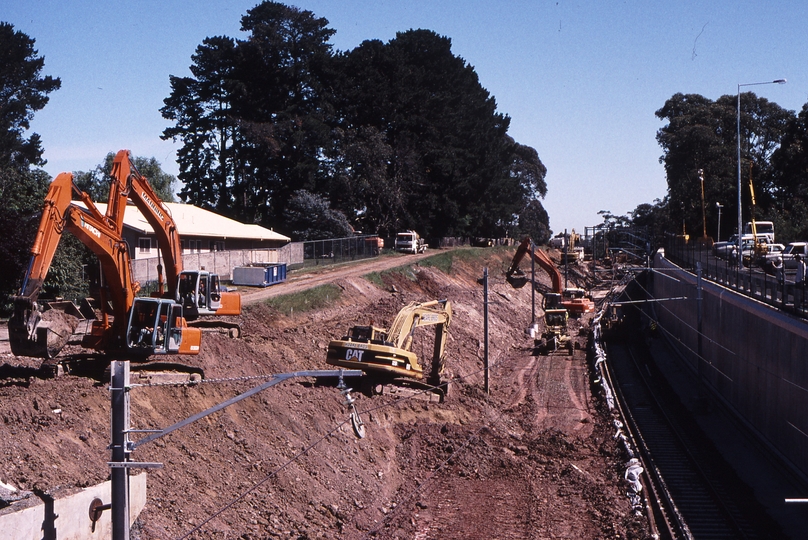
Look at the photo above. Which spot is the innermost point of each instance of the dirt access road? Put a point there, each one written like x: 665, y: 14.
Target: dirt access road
x: 331, y: 273
x: 532, y: 459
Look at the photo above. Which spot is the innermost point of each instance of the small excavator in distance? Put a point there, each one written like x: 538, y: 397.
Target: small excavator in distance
x: 199, y: 291
x: 557, y: 305
x: 555, y: 336
x: 129, y: 327
x: 385, y: 355
x: 572, y: 299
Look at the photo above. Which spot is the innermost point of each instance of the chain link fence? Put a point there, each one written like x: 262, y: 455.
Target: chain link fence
x: 779, y: 290
x: 337, y: 250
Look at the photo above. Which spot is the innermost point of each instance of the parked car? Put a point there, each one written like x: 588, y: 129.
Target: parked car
x: 793, y: 249
x: 723, y: 250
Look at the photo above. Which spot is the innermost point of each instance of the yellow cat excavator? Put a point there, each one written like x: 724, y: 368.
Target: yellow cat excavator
x: 386, y: 354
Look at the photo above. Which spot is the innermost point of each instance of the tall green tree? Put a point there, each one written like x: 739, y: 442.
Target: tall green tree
x: 23, y: 91
x: 455, y: 170
x: 253, y: 117
x: 96, y: 182
x: 394, y: 135
x: 790, y: 179
x: 702, y: 135
x: 201, y: 109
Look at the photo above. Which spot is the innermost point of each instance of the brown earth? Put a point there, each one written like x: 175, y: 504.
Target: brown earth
x: 534, y: 458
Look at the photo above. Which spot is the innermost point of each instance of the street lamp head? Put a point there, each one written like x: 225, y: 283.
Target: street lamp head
x: 779, y: 81
x: 719, y: 205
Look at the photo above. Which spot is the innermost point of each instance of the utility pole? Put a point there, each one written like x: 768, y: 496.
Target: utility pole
x: 532, y: 285
x: 566, y: 251
x: 485, y: 329
x: 120, y: 428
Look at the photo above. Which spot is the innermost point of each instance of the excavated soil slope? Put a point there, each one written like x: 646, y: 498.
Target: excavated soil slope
x: 533, y: 459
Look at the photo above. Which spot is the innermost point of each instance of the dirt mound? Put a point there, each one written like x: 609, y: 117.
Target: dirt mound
x: 532, y: 459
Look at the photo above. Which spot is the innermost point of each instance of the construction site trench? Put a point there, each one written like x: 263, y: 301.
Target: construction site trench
x: 534, y: 458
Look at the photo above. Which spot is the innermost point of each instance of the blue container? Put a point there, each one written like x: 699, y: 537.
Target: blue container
x: 259, y: 276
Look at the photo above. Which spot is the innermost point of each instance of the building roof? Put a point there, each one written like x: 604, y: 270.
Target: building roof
x: 194, y: 221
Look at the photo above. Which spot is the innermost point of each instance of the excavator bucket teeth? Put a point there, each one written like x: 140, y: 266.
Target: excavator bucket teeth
x: 39, y: 334
x: 45, y: 343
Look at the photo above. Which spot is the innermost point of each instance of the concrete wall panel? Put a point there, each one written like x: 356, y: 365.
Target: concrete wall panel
x: 68, y: 516
x: 753, y: 356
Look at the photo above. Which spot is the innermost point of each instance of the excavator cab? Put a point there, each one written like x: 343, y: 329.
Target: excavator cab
x: 201, y: 293
x: 156, y: 326
x: 551, y: 301
x: 368, y: 334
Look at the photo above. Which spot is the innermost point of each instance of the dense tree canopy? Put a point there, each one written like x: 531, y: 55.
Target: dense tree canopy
x: 790, y: 178
x: 701, y: 134
x: 96, y: 182
x: 23, y: 91
x: 393, y: 135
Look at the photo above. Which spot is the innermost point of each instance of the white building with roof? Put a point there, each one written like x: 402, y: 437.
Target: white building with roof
x: 209, y: 242
x: 201, y: 231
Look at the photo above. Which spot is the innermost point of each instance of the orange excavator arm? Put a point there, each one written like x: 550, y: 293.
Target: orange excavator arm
x: 128, y: 183
x: 94, y: 230
x: 572, y: 300
x: 541, y: 258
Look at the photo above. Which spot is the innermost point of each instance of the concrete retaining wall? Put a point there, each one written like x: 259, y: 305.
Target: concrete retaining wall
x: 68, y: 517
x: 754, y: 356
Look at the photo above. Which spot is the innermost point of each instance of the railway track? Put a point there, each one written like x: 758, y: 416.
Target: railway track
x: 694, y: 493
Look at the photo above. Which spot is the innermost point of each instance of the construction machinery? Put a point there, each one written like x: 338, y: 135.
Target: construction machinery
x: 128, y: 326
x: 572, y: 299
x: 386, y: 354
x: 760, y: 247
x: 200, y: 292
x: 555, y: 337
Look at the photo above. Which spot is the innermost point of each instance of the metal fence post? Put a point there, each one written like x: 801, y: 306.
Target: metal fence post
x: 485, y: 329
x: 119, y: 391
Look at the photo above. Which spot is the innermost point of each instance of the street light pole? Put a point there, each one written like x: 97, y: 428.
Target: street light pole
x: 718, y: 232
x: 740, y: 209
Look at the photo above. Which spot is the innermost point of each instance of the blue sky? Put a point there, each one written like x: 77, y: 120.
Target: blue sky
x: 580, y: 80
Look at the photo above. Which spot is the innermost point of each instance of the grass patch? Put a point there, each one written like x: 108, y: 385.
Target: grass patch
x: 377, y: 278
x: 316, y: 298
x: 443, y: 261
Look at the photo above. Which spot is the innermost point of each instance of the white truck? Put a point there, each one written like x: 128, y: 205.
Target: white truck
x: 410, y: 242
x: 763, y: 229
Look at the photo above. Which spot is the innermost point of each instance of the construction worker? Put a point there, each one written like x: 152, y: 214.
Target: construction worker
x: 780, y: 276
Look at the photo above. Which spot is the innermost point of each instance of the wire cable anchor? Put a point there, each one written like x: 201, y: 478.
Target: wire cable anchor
x: 356, y: 421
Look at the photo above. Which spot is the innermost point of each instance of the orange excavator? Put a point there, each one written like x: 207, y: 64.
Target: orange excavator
x: 574, y: 300
x: 200, y: 292
x: 129, y: 327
